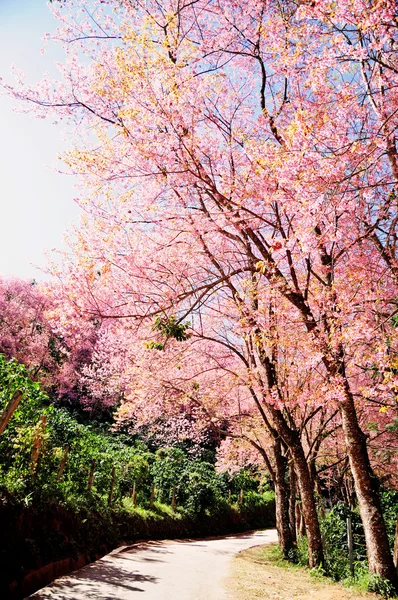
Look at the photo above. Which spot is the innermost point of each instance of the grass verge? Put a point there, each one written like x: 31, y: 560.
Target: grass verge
x: 262, y: 573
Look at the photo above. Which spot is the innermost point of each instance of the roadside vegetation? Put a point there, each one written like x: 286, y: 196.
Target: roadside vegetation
x: 261, y: 573
x: 49, y: 511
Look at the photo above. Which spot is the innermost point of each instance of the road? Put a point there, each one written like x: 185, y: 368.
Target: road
x: 167, y: 570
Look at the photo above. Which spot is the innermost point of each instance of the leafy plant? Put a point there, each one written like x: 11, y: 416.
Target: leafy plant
x: 169, y: 327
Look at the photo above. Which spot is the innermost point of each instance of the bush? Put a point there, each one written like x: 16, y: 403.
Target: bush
x: 197, y: 485
x: 389, y: 503
x: 381, y: 586
x: 85, y: 442
x: 334, y: 531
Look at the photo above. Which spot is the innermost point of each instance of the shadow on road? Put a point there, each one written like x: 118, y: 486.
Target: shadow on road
x: 86, y: 583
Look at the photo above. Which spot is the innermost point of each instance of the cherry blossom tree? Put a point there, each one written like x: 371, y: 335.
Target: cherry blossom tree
x: 60, y: 347
x: 233, y: 153
x: 25, y: 333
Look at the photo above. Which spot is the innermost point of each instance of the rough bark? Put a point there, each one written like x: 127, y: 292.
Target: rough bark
x: 312, y: 468
x: 291, y: 438
x: 367, y: 491
x: 300, y: 524
x: 349, y: 489
x: 308, y: 507
x: 366, y: 484
x: 286, y: 540
x: 278, y: 473
x: 292, y: 502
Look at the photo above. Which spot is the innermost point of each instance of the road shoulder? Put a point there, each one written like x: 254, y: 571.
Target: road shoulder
x: 253, y: 576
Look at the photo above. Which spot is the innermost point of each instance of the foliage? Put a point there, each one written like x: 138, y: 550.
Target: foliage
x: 170, y: 327
x: 381, y: 586
x: 362, y: 583
x: 44, y: 520
x: 47, y: 531
x: 389, y: 500
x: 334, y: 530
x: 85, y: 442
x: 198, y: 486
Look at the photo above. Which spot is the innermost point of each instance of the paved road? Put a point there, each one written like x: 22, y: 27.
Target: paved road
x: 170, y: 570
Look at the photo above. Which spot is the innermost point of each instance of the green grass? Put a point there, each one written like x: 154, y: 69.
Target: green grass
x: 157, y: 512
x: 362, y: 582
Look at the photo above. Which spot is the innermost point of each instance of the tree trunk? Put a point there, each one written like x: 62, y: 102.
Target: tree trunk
x: 300, y: 524
x: 313, y: 472
x: 349, y: 488
x: 278, y: 474
x: 292, y: 502
x: 291, y: 438
x: 9, y: 410
x: 308, y: 508
x: 286, y: 540
x: 366, y: 487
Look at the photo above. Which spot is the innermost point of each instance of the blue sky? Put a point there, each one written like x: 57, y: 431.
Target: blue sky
x: 36, y: 203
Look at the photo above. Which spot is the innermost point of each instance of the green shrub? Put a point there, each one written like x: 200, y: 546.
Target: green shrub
x: 389, y: 503
x: 302, y: 551
x: 381, y: 586
x: 334, y: 531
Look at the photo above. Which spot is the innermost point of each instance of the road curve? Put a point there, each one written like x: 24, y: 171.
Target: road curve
x: 167, y: 570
